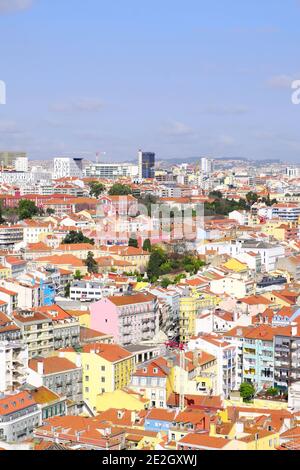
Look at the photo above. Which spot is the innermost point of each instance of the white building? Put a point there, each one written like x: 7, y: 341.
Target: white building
x: 270, y: 253
x: 112, y: 170
x: 207, y: 166
x: 226, y: 354
x: 13, y: 365
x: 19, y: 416
x: 21, y: 164
x: 67, y: 168
x: 293, y: 172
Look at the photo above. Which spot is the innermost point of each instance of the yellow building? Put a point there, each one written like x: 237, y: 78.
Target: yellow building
x: 83, y: 316
x: 246, y: 437
x: 5, y: 273
x: 125, y: 399
x: 276, y: 299
x: 198, y: 377
x: 235, y: 265
x: 105, y: 368
x: 189, y: 308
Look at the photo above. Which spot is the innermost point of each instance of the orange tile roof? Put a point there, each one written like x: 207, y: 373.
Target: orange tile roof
x: 52, y: 365
x: 14, y: 403
x: 203, y: 440
x: 131, y: 299
x: 43, y: 395
x: 109, y: 352
x: 62, y: 260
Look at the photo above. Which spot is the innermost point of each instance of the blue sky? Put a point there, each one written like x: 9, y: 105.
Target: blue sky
x: 182, y: 78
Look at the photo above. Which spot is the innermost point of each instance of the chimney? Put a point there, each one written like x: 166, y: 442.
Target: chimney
x: 40, y: 368
x: 239, y: 427
x: 78, y: 360
x: 294, y: 329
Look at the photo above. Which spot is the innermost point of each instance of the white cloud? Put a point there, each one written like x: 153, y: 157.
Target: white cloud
x: 79, y: 105
x: 7, y: 6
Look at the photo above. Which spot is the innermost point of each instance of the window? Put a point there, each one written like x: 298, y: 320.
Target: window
x: 103, y: 368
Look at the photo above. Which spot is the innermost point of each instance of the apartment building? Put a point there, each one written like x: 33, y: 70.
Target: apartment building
x: 19, y: 416
x: 10, y: 298
x: 37, y: 332
x: 189, y: 308
x: 290, y: 264
x: 256, y: 353
x: 59, y: 375
x: 286, y: 212
x: 66, y: 328
x: 105, y: 368
x: 13, y: 365
x: 129, y: 318
x: 227, y: 378
x: 9, y: 331
x: 287, y: 361
x: 152, y: 380
x: 10, y: 235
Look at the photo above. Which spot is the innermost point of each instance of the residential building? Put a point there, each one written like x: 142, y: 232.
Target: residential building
x: 59, y: 375
x: 19, y: 416
x: 129, y: 318
x: 13, y: 365
x: 105, y: 368
x: 37, y: 332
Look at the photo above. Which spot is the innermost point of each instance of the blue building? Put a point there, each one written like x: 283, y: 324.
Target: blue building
x: 159, y: 419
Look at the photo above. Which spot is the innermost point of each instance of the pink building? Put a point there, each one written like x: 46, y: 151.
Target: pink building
x: 130, y: 319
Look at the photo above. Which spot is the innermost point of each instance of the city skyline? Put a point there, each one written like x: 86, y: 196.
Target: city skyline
x: 194, y: 80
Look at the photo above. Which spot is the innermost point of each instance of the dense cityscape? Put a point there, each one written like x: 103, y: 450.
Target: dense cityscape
x: 149, y: 305
x: 149, y: 232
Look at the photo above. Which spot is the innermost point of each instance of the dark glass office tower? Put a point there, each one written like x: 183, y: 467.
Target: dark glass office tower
x: 146, y: 165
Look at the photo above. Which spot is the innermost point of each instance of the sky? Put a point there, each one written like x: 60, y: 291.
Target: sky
x: 182, y: 78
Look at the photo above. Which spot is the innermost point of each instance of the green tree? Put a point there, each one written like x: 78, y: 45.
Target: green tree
x: 78, y: 276
x: 252, y: 197
x: 27, y: 209
x: 147, y: 245
x: 50, y: 211
x: 67, y: 290
x: 120, y: 190
x: 247, y: 391
x: 75, y: 237
x: 216, y: 194
x: 273, y: 392
x: 133, y: 242
x: 91, y: 263
x: 157, y: 259
x: 166, y: 282
x: 96, y: 188
x: 1, y: 214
